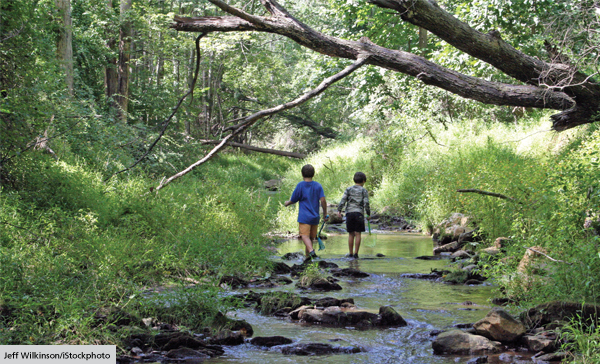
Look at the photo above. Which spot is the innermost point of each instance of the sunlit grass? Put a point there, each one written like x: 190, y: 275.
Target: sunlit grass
x: 75, y: 245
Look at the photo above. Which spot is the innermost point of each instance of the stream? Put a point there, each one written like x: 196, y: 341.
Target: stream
x: 425, y: 305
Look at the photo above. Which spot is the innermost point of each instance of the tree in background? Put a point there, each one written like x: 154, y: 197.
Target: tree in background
x: 125, y: 33
x: 64, y: 44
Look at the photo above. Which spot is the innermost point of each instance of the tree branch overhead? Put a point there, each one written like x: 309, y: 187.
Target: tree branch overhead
x: 578, y: 101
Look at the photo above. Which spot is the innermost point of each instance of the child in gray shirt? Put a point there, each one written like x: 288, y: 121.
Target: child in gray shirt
x: 356, y: 200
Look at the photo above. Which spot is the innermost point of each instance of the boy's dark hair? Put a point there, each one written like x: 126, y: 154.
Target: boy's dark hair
x: 308, y: 171
x: 360, y: 177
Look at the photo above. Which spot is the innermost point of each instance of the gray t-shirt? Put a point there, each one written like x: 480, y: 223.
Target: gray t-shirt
x: 356, y: 199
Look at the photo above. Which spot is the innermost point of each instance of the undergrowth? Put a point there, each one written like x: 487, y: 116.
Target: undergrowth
x: 72, y: 246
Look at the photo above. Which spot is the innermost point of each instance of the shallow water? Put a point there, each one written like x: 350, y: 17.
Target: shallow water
x: 425, y: 305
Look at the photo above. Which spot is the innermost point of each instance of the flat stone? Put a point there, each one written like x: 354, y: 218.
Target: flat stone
x: 499, y: 325
x: 318, y: 349
x: 459, y: 342
x: 270, y: 341
x: 186, y: 353
x: 348, y: 272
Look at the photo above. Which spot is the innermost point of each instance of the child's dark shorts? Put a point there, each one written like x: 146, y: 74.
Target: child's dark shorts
x: 355, y: 222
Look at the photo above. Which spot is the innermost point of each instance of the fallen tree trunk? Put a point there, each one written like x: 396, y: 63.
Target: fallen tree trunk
x: 257, y: 149
x: 547, y: 85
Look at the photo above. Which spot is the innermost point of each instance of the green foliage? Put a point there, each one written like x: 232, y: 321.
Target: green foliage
x: 71, y: 244
x: 457, y: 276
x: 428, y: 170
x: 582, y: 341
x: 193, y: 308
x: 549, y: 181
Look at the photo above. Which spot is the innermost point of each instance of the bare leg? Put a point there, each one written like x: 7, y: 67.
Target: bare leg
x: 358, y: 238
x: 308, y: 247
x: 351, y: 242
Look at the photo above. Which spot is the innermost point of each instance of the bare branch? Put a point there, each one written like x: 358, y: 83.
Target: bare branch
x: 532, y: 134
x: 13, y: 33
x: 434, y: 140
x: 481, y: 192
x: 324, y: 131
x: 549, y: 257
x: 252, y: 119
x: 45, y: 139
x: 257, y: 149
x: 26, y: 230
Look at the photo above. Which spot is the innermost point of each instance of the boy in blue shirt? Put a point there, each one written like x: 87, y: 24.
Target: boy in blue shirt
x: 309, y: 193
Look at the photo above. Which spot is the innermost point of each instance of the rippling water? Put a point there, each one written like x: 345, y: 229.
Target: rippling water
x: 425, y: 305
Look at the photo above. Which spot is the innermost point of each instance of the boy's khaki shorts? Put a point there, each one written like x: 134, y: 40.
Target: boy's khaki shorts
x: 309, y: 230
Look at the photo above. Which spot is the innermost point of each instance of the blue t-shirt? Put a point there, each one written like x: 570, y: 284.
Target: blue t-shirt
x: 309, y: 194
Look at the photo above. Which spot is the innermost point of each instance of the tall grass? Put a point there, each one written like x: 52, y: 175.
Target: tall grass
x: 71, y: 245
x: 424, y: 177
x: 548, y: 181
x: 582, y: 341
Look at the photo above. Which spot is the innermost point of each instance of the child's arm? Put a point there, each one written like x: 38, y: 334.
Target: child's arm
x: 343, y: 202
x: 295, y: 197
x: 324, y: 206
x: 366, y: 200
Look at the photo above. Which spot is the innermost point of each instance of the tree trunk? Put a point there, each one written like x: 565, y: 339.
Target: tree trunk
x: 160, y: 62
x: 111, y: 77
x: 423, y: 39
x: 64, y: 45
x: 190, y: 80
x: 124, y: 58
x: 579, y: 100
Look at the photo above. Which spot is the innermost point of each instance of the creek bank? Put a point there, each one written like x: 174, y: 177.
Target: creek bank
x: 454, y: 240
x: 471, y: 253
x: 168, y: 347
x: 153, y: 341
x: 386, y: 222
x: 536, y: 331
x: 266, y: 282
